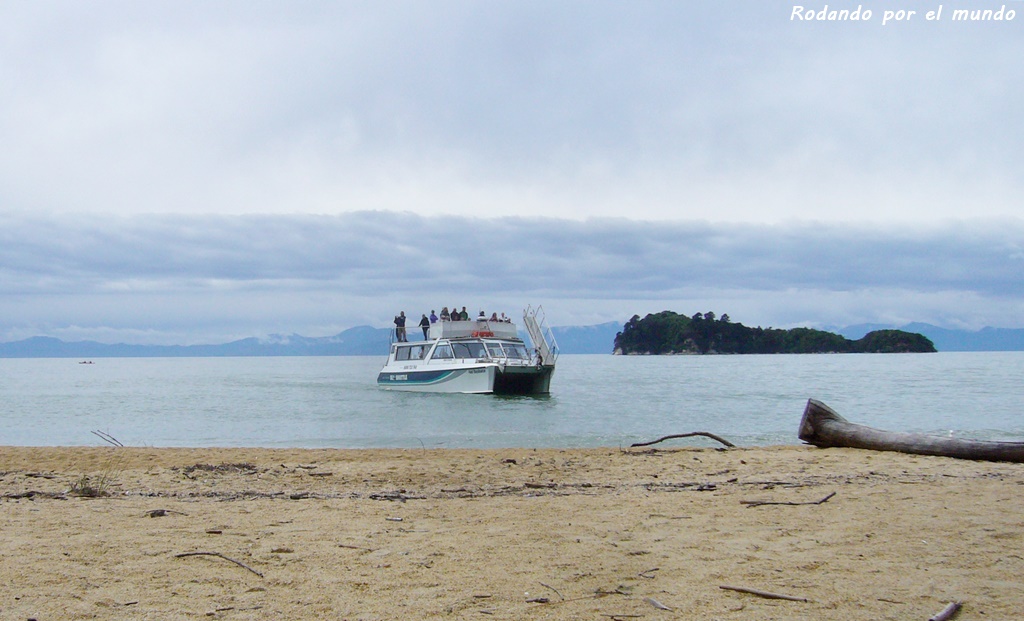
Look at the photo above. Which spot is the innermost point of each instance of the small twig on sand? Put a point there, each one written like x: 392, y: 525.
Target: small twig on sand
x: 106, y: 437
x: 162, y: 512
x: 761, y: 503
x: 218, y: 554
x: 548, y: 586
x: 948, y: 612
x: 687, y: 435
x: 765, y: 594
x: 657, y: 604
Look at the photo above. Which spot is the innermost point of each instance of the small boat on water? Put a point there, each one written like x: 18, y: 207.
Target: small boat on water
x: 482, y: 357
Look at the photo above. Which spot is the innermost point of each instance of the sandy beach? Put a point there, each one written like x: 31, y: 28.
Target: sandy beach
x: 651, y: 533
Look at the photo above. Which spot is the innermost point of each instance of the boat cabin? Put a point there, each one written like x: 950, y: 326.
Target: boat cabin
x: 482, y: 350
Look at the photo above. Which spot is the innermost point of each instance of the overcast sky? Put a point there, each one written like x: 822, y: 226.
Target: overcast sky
x: 182, y: 172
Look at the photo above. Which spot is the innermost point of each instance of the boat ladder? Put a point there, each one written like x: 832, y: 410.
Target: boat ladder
x: 541, y: 336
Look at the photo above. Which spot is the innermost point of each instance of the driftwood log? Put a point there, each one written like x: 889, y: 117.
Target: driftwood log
x: 824, y: 428
x: 686, y: 435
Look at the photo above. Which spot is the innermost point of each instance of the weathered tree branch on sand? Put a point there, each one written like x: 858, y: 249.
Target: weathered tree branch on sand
x: 761, y: 503
x: 687, y: 435
x: 765, y: 594
x: 824, y: 428
x: 218, y: 554
x: 947, y: 613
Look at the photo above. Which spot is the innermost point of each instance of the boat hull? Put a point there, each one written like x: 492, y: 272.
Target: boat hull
x: 534, y: 380
x: 489, y: 379
x: 471, y: 380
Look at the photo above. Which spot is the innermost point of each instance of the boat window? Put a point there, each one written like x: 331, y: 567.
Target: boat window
x: 516, y: 351
x: 442, y: 352
x: 469, y: 350
x: 412, y: 352
x: 495, y: 350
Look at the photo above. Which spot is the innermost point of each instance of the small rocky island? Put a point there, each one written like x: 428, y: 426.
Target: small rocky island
x: 705, y: 333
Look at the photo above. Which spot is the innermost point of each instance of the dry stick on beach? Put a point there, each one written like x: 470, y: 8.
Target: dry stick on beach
x: 948, y: 612
x: 218, y: 554
x: 106, y: 437
x: 687, y: 435
x: 548, y: 586
x: 657, y: 604
x: 761, y: 503
x: 765, y: 594
x: 162, y: 513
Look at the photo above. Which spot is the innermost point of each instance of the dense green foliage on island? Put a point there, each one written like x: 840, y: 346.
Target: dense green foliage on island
x: 670, y: 333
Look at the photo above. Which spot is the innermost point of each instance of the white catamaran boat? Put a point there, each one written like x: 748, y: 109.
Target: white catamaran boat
x: 479, y: 356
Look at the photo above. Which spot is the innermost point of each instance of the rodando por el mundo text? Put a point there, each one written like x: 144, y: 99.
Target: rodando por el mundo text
x: 860, y: 14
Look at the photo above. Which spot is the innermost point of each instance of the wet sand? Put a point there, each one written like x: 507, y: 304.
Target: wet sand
x: 653, y: 533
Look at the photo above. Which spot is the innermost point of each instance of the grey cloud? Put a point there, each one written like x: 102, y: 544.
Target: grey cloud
x: 187, y: 279
x: 370, y: 252
x: 319, y: 106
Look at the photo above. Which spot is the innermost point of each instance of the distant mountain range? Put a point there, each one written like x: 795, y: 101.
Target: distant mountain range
x: 368, y: 341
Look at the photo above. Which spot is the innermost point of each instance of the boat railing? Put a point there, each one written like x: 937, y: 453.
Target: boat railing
x: 411, y: 335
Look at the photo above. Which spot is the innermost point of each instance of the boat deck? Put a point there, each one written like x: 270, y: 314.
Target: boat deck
x: 473, y: 329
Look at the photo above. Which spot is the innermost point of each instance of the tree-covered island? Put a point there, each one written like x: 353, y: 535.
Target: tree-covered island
x: 705, y: 333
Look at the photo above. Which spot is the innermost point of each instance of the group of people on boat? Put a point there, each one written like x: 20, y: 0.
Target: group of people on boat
x: 446, y: 315
x: 457, y: 315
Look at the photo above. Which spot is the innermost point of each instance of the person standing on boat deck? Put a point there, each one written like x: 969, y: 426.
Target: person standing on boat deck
x: 400, y: 327
x: 444, y: 314
x: 425, y: 324
x: 433, y: 317
x: 464, y: 316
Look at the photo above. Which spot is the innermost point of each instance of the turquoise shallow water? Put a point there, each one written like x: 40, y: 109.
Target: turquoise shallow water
x: 596, y: 400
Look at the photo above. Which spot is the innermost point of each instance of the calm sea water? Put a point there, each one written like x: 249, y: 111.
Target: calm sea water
x: 596, y: 400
